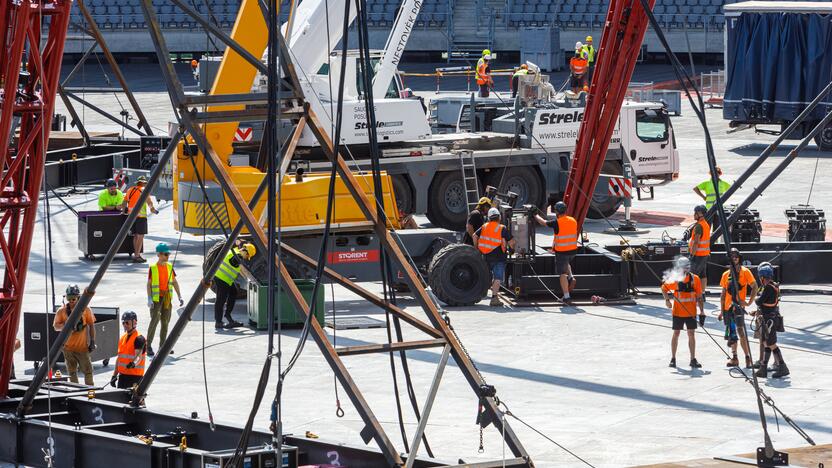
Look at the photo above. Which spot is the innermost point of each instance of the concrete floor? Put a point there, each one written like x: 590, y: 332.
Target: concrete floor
x: 595, y: 379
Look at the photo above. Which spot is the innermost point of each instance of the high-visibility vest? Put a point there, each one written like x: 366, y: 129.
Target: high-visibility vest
x: 684, y: 302
x: 522, y: 71
x: 132, y: 197
x: 588, y: 52
x: 567, y: 237
x: 710, y: 192
x: 704, y: 246
x: 491, y: 237
x: 154, y: 279
x: 228, y: 273
x: 126, y: 353
x: 577, y: 65
x: 482, y: 73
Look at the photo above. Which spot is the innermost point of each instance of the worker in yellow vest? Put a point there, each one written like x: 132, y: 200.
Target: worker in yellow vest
x: 588, y: 51
x: 699, y: 245
x: 706, y: 190
x: 224, y: 280
x: 515, y: 79
x: 130, y: 360
x: 160, y: 278
x: 494, y: 241
x: 483, y: 73
x: 564, y: 245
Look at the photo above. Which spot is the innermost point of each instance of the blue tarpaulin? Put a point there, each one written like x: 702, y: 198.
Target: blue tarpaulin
x: 776, y: 64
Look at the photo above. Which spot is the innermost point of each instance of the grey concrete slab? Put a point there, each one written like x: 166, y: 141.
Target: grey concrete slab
x: 595, y: 379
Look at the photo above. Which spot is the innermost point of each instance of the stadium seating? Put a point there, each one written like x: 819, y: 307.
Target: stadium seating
x: 689, y: 14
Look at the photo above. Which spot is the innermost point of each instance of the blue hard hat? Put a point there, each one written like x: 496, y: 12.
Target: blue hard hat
x: 560, y: 207
x: 765, y: 271
x: 161, y: 247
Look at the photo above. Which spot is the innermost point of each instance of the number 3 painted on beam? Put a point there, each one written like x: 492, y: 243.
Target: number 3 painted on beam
x: 98, y: 415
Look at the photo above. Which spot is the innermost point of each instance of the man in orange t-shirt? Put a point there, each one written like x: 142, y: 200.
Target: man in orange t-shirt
x: 686, y: 298
x: 734, y: 317
x: 81, y: 341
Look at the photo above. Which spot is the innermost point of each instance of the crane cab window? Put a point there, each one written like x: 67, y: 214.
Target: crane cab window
x: 652, y: 125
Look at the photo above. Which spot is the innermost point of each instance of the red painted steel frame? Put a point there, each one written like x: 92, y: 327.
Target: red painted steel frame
x: 624, y: 31
x: 27, y: 99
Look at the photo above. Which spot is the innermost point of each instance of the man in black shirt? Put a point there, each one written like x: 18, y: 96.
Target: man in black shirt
x: 494, y: 241
x: 772, y: 322
x: 475, y: 220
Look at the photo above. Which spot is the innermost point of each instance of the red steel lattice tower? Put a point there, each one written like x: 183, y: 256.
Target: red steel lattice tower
x: 32, y: 45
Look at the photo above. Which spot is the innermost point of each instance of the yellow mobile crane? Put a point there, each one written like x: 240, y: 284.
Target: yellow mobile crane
x: 304, y: 198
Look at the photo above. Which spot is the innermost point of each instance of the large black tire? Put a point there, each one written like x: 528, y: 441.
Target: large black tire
x: 604, y: 205
x: 522, y: 180
x: 446, y: 201
x: 403, y: 194
x: 824, y: 138
x: 458, y: 275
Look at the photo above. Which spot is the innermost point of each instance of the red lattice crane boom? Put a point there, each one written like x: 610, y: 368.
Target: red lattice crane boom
x: 29, y: 73
x: 624, y: 31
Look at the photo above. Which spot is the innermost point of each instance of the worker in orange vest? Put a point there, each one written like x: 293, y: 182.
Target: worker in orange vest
x: 494, y: 241
x: 699, y: 246
x: 131, y: 353
x: 686, y: 290
x: 131, y: 199
x: 564, y: 245
x: 578, y: 66
x: 483, y: 73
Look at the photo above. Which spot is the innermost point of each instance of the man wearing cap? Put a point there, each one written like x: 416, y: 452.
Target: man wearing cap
x: 687, y: 292
x: 224, y: 280
x: 111, y: 199
x: 131, y: 199
x: 160, y: 277
x: 494, y: 240
x: 475, y: 220
x: 734, y: 315
x: 81, y: 341
x: 483, y: 73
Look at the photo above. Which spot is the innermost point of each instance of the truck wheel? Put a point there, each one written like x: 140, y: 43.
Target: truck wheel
x: 524, y: 181
x: 446, y: 205
x: 458, y: 275
x: 403, y: 194
x: 603, y: 205
x: 824, y: 138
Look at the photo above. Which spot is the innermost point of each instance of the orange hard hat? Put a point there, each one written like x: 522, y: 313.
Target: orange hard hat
x: 194, y: 63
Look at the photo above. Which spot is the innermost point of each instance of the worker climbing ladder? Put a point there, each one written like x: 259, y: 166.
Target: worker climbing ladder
x: 469, y: 178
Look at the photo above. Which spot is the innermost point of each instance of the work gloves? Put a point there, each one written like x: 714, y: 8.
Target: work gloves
x: 702, y: 320
x: 91, y: 347
x: 150, y: 302
x: 113, y: 380
x: 181, y: 302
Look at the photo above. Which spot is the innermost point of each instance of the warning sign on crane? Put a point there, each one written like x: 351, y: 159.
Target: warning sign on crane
x: 243, y: 134
x: 621, y: 187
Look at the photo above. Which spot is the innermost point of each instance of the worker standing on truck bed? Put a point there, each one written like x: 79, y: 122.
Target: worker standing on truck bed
x: 160, y: 277
x: 515, y: 79
x: 564, y: 245
x: 734, y: 316
x: 578, y: 67
x: 81, y: 341
x: 686, y: 290
x: 771, y: 323
x: 224, y: 280
x: 131, y: 353
x: 589, y: 53
x: 700, y: 245
x: 131, y: 199
x: 706, y: 190
x: 483, y: 73
x: 494, y: 241
x: 111, y: 199
x: 475, y: 220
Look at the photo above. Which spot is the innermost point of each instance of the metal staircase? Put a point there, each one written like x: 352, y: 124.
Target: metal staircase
x: 471, y: 28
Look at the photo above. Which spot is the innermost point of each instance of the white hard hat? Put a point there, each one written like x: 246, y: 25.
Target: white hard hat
x: 683, y: 263
x: 493, y: 213
x: 578, y: 45
x: 487, y: 56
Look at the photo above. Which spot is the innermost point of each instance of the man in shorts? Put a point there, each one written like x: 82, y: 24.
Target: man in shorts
x: 700, y: 246
x: 564, y: 245
x: 131, y: 199
x: 494, y: 241
x: 686, y: 290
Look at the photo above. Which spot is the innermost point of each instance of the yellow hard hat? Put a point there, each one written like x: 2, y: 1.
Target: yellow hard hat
x: 484, y: 201
x: 486, y: 52
x: 249, y: 247
x: 588, y: 39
